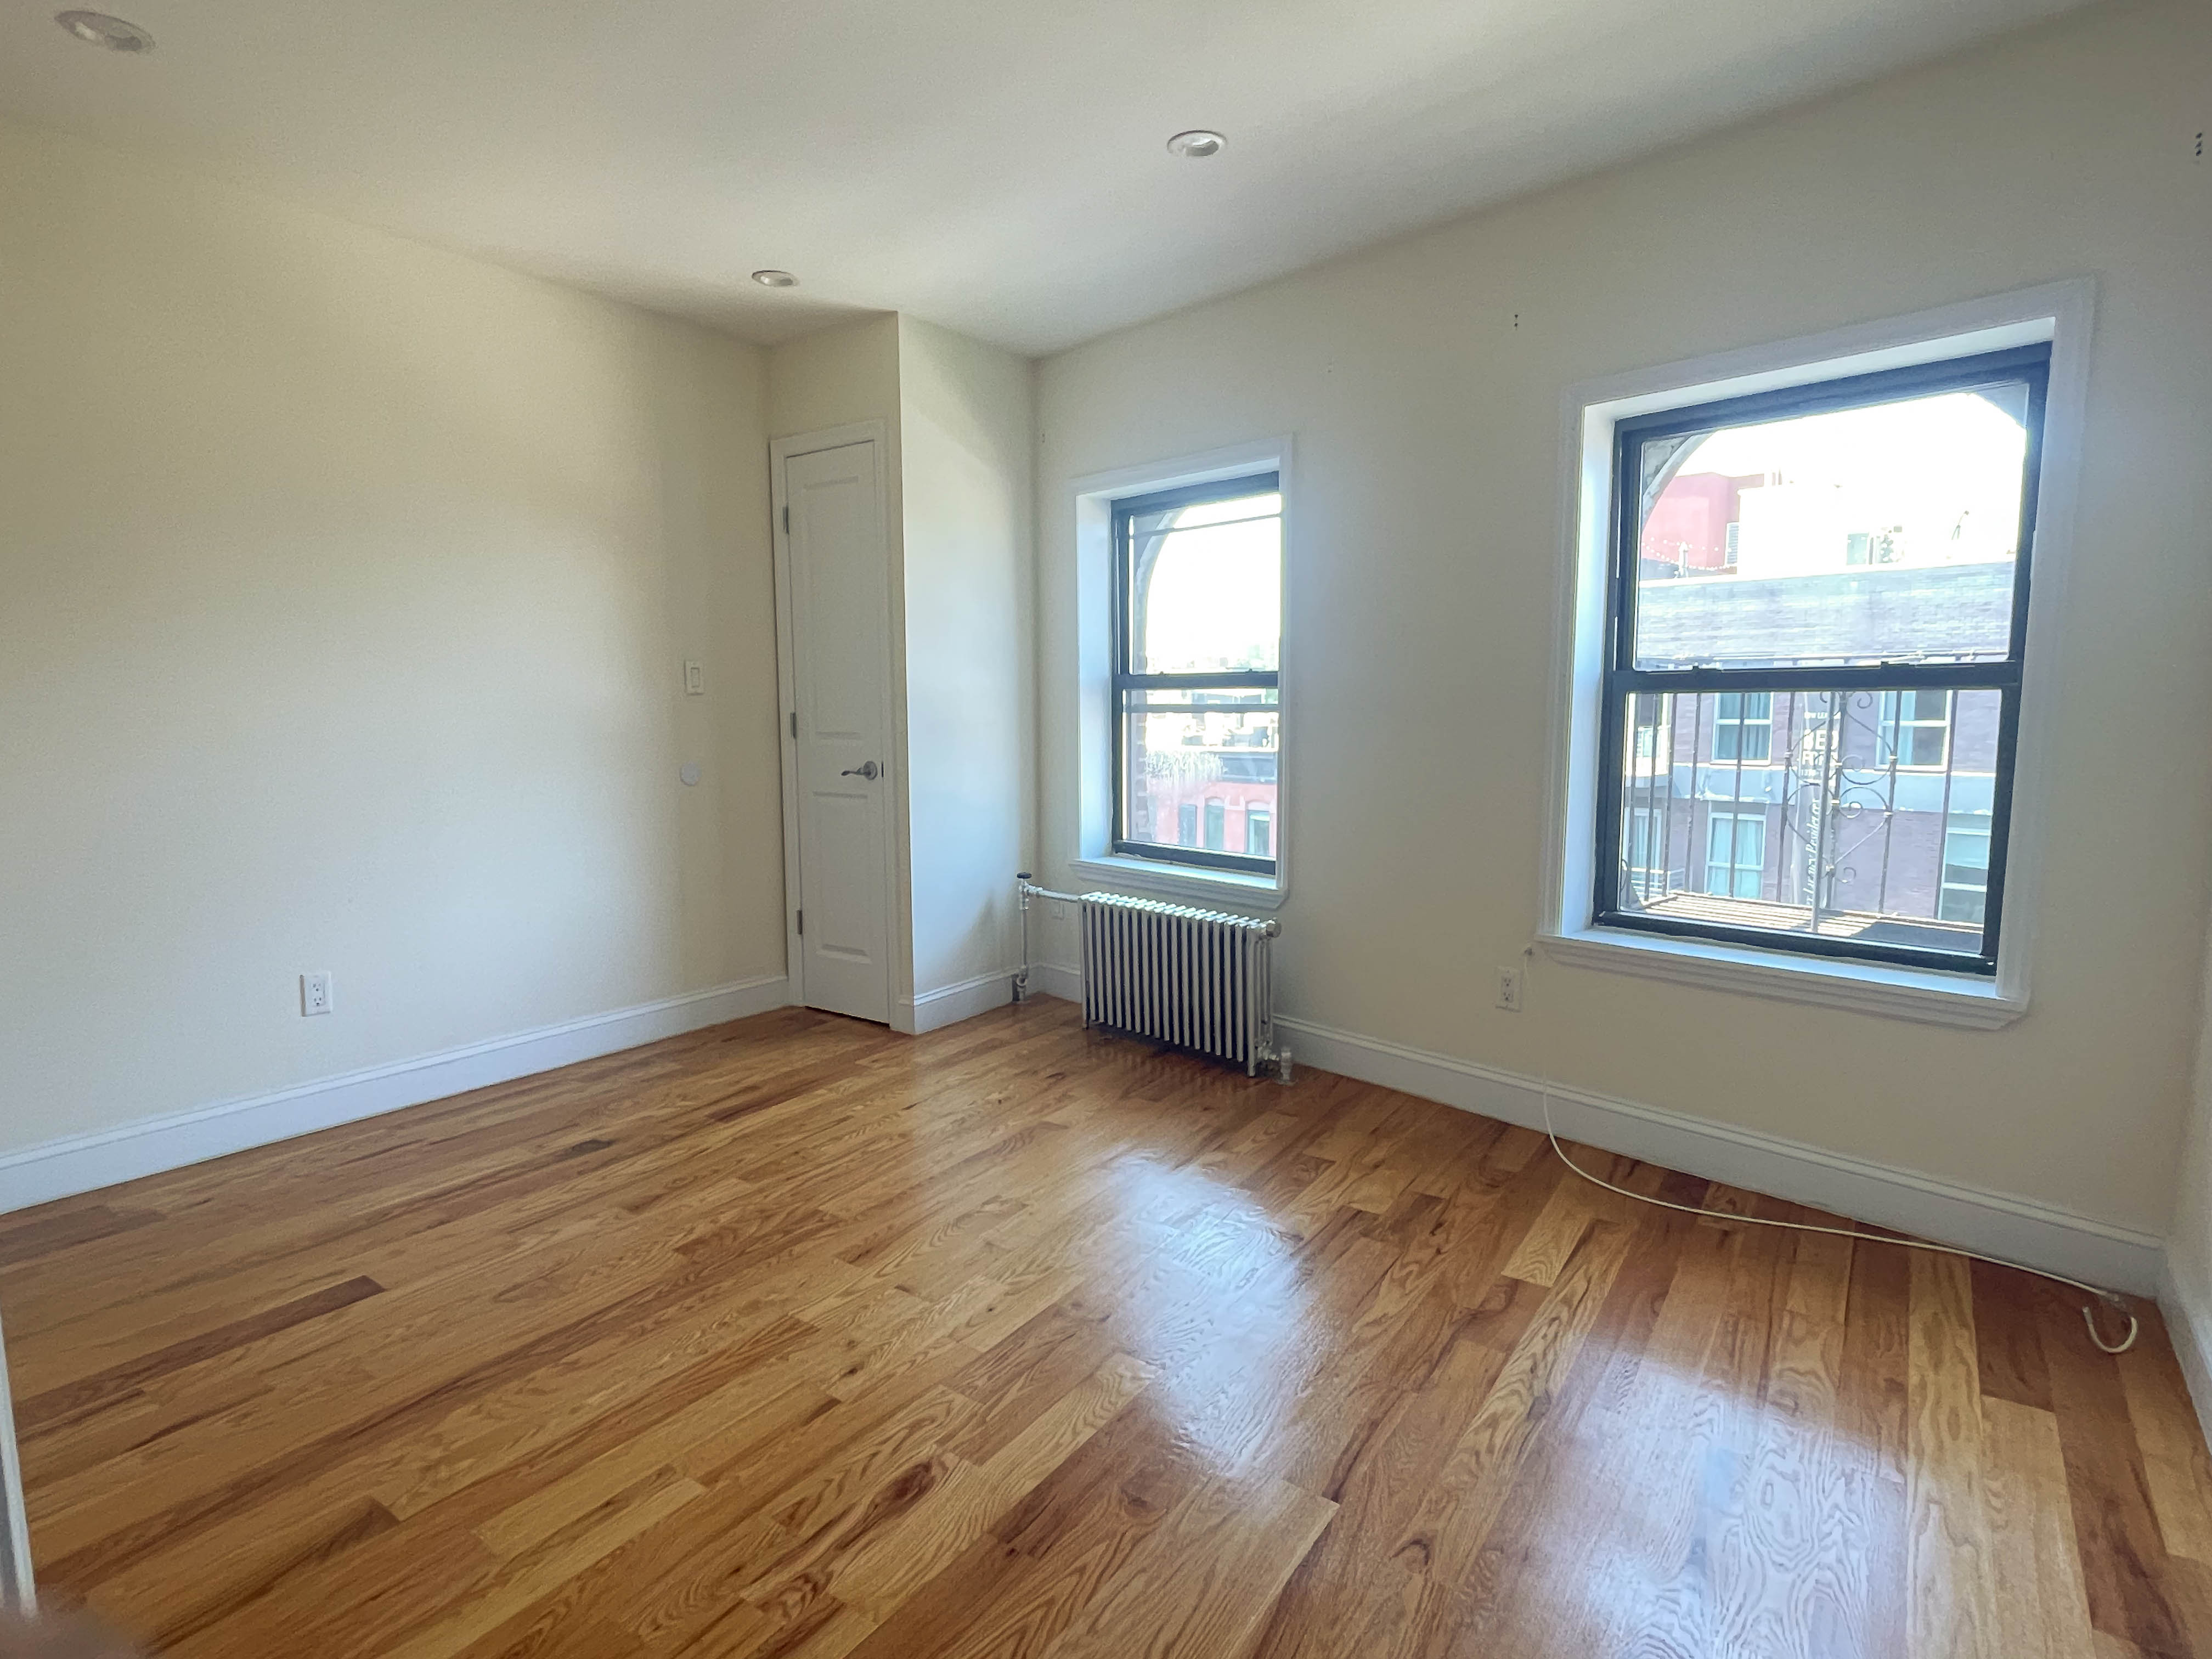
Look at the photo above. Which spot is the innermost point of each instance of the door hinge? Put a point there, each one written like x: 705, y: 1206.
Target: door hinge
x: 794, y: 722
x: 802, y: 924
x: 786, y: 518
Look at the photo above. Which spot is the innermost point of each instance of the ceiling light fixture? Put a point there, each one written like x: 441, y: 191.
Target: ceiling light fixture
x: 1197, y: 144
x: 775, y: 279
x: 99, y: 29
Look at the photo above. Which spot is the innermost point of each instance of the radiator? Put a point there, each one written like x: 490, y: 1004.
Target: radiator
x: 1196, y: 979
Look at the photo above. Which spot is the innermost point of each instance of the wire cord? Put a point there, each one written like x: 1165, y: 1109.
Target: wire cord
x: 2088, y: 1314
x: 2111, y: 1298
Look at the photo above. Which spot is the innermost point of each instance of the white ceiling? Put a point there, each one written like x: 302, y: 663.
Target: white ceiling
x: 999, y: 168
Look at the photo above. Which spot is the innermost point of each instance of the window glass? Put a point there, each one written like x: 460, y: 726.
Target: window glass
x: 1965, y: 869
x: 1886, y: 532
x: 1735, y: 856
x: 1916, y: 727
x: 1834, y: 829
x: 1206, y: 587
x: 1743, y: 725
x: 1812, y: 675
x: 1199, y: 720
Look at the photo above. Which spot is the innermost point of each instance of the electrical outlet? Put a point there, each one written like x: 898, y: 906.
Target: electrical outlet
x: 1509, y: 989
x: 1060, y: 911
x: 315, y: 994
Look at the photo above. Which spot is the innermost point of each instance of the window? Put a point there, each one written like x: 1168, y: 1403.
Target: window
x: 1743, y: 725
x: 1197, y: 648
x: 1839, y: 695
x: 1651, y: 719
x: 1871, y: 546
x: 1964, y: 895
x: 1916, y: 727
x: 1647, y: 853
x: 1736, y: 854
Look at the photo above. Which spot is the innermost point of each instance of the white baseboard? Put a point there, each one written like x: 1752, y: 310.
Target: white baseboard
x: 82, y: 1163
x: 2189, y: 1322
x: 950, y: 1004
x: 2020, y: 1230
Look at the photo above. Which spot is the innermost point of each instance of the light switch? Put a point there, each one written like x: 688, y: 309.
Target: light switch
x: 694, y: 678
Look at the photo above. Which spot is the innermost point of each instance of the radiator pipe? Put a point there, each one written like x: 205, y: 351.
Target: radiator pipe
x: 1022, y: 979
x: 1028, y: 890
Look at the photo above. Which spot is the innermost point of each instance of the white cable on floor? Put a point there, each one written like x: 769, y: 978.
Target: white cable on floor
x: 2112, y: 1298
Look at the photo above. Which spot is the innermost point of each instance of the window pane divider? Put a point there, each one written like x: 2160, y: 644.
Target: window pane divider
x: 1887, y: 677
x: 1261, y: 679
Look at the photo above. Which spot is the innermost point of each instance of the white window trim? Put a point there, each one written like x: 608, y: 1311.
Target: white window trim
x: 2060, y: 312
x: 1091, y: 857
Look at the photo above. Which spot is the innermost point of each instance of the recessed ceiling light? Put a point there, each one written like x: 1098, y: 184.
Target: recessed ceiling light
x: 1197, y: 144
x: 775, y: 279
x: 101, y: 30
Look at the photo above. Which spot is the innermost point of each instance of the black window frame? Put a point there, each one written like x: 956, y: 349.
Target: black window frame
x: 1129, y: 687
x: 1620, y: 676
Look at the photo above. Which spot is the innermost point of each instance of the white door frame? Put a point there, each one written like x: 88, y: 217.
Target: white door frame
x: 780, y: 450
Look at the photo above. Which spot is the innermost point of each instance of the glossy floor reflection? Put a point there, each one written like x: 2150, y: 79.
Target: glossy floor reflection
x: 796, y: 1337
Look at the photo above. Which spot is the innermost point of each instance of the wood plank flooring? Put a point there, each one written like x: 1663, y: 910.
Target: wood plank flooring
x: 794, y: 1338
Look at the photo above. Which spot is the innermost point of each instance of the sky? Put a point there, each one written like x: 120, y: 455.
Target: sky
x: 1922, y: 464
x: 1217, y: 594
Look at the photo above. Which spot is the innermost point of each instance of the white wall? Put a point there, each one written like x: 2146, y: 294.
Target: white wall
x: 836, y: 377
x: 966, y: 424
x: 958, y: 417
x: 1422, y: 382
x: 345, y: 585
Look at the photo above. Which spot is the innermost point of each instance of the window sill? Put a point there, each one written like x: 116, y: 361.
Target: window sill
x: 1935, y: 999
x: 1155, y: 877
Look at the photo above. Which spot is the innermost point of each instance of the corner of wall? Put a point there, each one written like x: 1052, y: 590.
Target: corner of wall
x: 2185, y: 1290
x: 967, y: 426
x: 2189, y: 1323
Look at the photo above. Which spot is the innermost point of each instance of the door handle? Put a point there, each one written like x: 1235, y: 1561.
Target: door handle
x: 867, y: 770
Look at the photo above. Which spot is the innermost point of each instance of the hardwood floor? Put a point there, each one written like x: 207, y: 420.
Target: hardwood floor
x: 795, y: 1337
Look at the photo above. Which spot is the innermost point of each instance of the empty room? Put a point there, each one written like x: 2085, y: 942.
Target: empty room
x: 1106, y: 832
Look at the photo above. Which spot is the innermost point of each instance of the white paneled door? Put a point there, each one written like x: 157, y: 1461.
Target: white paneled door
x: 840, y: 637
